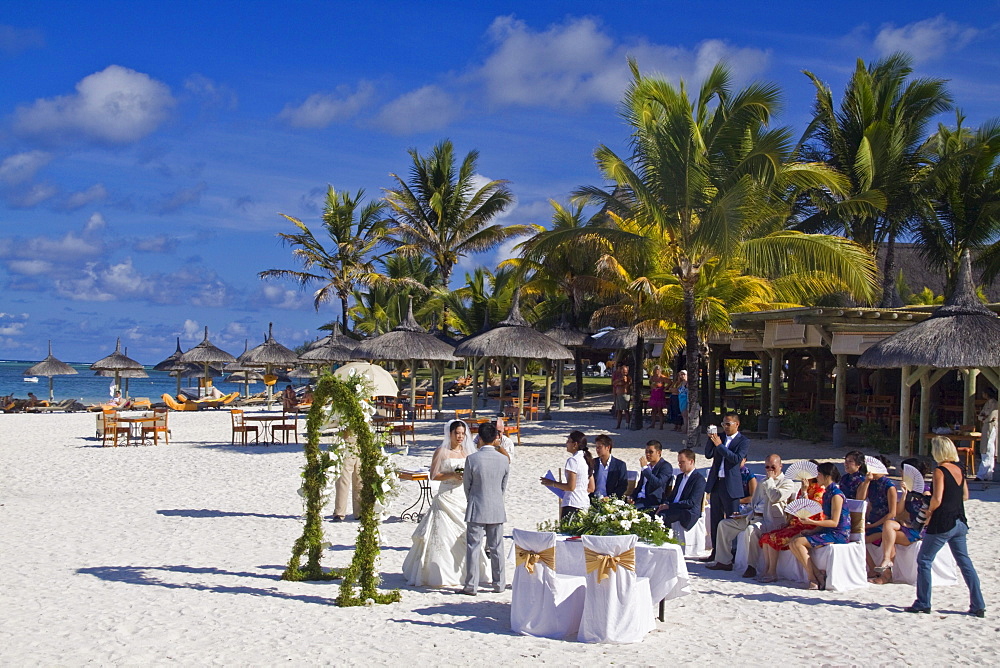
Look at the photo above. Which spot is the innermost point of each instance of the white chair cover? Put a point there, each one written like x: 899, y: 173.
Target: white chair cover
x: 544, y: 603
x: 619, y: 609
x: 693, y: 539
x: 844, y: 564
x: 944, y: 570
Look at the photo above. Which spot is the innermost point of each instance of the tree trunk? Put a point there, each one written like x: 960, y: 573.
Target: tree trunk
x: 890, y: 296
x: 578, y: 363
x: 691, y: 362
x: 343, y: 312
x: 638, y: 355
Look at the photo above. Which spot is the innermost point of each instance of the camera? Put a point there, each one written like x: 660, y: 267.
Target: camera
x: 712, y: 429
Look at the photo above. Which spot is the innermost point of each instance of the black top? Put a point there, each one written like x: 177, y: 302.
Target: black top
x: 952, y: 505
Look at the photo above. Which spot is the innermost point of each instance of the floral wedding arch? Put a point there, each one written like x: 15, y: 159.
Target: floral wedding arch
x: 341, y: 414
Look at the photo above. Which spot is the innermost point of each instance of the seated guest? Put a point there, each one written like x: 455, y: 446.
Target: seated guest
x: 610, y: 475
x: 684, y: 502
x: 653, y: 485
x: 307, y: 395
x: 855, y: 471
x: 288, y: 399
x: 767, y: 513
x: 834, y: 529
x: 880, y: 525
x: 777, y: 540
x: 505, y: 442
x: 749, y: 482
x: 32, y: 400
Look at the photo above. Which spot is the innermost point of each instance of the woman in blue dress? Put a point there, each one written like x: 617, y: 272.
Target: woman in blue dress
x: 881, y: 527
x: 835, y: 529
x: 855, y: 472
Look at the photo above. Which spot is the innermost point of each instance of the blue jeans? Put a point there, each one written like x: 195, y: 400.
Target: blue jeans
x: 929, y: 547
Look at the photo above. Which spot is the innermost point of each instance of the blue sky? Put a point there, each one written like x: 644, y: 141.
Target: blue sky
x: 147, y: 148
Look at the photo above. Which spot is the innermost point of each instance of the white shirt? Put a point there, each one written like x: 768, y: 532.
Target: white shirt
x: 577, y: 497
x: 726, y: 440
x: 680, y: 487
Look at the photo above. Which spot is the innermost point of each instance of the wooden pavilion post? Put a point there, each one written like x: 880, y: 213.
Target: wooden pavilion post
x: 475, y: 384
x: 713, y: 367
x: 439, y: 391
x: 925, y: 411
x: 906, y: 382
x: 774, y: 422
x: 765, y: 393
x: 969, y: 402
x: 413, y: 388
x: 560, y: 382
x: 520, y: 393
x: 840, y: 403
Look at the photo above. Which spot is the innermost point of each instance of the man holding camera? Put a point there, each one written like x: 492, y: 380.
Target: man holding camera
x: 725, y: 485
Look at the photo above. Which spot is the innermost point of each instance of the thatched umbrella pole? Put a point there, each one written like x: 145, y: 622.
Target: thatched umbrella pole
x: 520, y: 390
x: 548, y: 390
x: 439, y: 391
x: 413, y: 386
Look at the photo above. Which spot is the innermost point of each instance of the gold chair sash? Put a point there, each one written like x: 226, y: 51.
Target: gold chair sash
x: 604, y: 564
x: 528, y: 559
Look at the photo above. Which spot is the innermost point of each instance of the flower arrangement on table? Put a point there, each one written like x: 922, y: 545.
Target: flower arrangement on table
x: 612, y: 517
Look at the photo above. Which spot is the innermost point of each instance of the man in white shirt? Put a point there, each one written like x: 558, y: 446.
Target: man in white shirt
x: 610, y: 473
x: 684, y: 502
x: 767, y: 512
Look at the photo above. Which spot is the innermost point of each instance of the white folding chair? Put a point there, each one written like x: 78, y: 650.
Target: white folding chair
x: 944, y: 570
x: 543, y: 603
x: 844, y: 564
x: 618, y: 606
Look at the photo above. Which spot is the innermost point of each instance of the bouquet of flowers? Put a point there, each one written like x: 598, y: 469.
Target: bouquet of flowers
x: 612, y: 517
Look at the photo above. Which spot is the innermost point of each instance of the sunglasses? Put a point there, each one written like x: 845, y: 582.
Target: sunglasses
x: 772, y: 468
x: 729, y: 424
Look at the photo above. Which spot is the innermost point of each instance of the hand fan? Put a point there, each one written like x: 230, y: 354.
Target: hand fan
x: 803, y: 508
x: 801, y: 470
x: 875, y: 465
x: 912, y: 479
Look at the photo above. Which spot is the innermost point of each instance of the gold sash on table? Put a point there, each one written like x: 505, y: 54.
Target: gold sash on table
x: 528, y: 559
x: 604, y: 564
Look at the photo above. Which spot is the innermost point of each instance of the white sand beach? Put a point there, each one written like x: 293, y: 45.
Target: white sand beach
x: 172, y: 555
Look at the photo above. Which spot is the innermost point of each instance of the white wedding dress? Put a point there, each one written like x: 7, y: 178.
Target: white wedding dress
x: 437, y: 558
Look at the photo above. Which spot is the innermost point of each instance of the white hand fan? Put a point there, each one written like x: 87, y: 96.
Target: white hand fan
x: 875, y: 465
x: 912, y: 479
x: 803, y: 508
x: 801, y: 470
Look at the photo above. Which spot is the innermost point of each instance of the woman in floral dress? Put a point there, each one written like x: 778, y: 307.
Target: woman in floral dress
x: 778, y: 540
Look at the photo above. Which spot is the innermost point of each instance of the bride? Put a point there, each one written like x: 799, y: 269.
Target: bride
x: 437, y: 558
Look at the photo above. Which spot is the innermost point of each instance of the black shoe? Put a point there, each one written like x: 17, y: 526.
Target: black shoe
x: 339, y: 518
x: 710, y: 558
x: 469, y: 591
x: 720, y: 567
x: 914, y: 608
x: 750, y: 572
x: 978, y: 613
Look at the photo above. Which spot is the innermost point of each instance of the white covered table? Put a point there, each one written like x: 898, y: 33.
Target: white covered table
x: 663, y: 564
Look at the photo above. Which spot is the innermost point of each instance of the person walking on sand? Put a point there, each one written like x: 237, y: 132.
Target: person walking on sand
x: 485, y: 482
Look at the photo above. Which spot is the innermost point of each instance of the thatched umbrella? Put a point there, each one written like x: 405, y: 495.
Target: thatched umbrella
x: 622, y: 338
x: 410, y: 342
x: 960, y: 334
x: 125, y: 374
x: 337, y: 347
x: 168, y: 364
x: 50, y: 366
x: 205, y: 354
x: 268, y: 355
x: 513, y: 339
x: 574, y: 339
x: 116, y: 362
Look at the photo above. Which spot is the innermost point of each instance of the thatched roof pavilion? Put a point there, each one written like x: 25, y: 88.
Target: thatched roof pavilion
x: 408, y: 341
x: 514, y: 339
x: 336, y: 347
x: 574, y: 339
x: 622, y: 338
x: 269, y: 356
x: 960, y: 334
x: 50, y: 366
x: 168, y: 364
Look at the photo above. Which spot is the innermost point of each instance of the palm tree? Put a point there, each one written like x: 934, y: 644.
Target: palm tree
x: 355, y: 233
x: 442, y: 214
x: 382, y: 306
x: 875, y: 140
x: 704, y: 175
x: 964, y: 186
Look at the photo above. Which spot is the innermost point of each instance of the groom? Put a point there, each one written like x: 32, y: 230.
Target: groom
x: 485, y: 481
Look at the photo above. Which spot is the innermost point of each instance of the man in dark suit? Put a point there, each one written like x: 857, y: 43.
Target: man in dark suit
x: 610, y: 474
x: 654, y: 479
x: 725, y: 485
x: 685, y: 500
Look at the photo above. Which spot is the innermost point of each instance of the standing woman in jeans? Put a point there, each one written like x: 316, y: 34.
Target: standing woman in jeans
x: 946, y: 523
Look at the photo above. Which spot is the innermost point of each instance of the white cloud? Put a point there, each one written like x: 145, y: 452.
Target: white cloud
x: 27, y: 197
x: 577, y: 63
x: 321, y: 109
x: 173, y: 201
x: 161, y: 243
x: 21, y: 167
x: 275, y: 296
x: 77, y: 200
x: 210, y: 93
x: 94, y: 224
x: 191, y: 331
x: 12, y: 324
x: 420, y: 110
x: 114, y: 106
x: 924, y: 40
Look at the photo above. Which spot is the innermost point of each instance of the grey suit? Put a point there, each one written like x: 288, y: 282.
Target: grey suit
x: 485, y: 481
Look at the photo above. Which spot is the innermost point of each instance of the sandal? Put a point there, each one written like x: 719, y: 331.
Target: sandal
x: 812, y: 586
x: 883, y: 575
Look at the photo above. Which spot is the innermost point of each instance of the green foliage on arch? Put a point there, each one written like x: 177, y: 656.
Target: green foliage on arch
x: 341, y: 408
